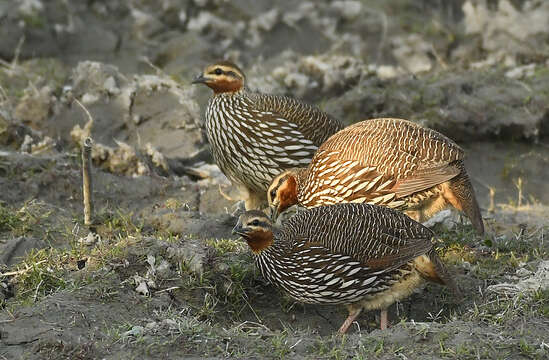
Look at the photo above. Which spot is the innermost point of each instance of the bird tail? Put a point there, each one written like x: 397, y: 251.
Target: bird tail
x: 464, y: 194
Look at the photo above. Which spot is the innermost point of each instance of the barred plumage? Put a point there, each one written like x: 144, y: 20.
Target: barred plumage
x: 359, y: 255
x: 255, y: 136
x: 390, y: 162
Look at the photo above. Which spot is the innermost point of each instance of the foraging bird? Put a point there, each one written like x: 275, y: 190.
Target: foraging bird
x: 256, y: 136
x: 359, y: 255
x: 390, y: 162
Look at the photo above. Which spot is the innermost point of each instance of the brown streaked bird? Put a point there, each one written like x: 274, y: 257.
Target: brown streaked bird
x: 389, y: 162
x: 359, y: 255
x: 256, y: 136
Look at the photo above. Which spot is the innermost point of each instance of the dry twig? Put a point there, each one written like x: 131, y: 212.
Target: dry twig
x: 87, y: 181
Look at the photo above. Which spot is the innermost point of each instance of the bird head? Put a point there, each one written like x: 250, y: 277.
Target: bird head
x: 221, y: 77
x: 282, y: 192
x: 256, y: 228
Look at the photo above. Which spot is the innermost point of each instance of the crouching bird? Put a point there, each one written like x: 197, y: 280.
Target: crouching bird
x: 389, y: 162
x: 359, y: 255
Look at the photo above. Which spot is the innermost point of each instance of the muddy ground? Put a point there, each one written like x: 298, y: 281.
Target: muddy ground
x: 159, y: 275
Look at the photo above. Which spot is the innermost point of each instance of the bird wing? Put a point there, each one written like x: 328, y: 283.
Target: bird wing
x: 425, y: 179
x: 396, y: 153
x: 314, y: 124
x: 398, y: 148
x: 378, y: 237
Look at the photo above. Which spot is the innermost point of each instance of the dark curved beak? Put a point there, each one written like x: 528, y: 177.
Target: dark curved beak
x: 200, y: 79
x: 274, y: 213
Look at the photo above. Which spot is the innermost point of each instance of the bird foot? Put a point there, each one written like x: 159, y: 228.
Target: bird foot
x: 350, y: 319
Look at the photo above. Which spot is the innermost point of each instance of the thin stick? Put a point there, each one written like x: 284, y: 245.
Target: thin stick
x: 89, y: 124
x: 518, y: 184
x: 168, y: 289
x: 492, y: 207
x: 18, y: 51
x: 87, y: 181
x: 36, y: 292
x: 18, y: 272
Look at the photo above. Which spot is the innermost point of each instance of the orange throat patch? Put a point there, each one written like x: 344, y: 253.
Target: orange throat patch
x: 225, y: 85
x: 260, y: 240
x: 287, y: 194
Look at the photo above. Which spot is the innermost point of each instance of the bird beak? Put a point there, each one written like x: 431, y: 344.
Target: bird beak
x: 238, y: 230
x: 200, y: 79
x: 274, y: 213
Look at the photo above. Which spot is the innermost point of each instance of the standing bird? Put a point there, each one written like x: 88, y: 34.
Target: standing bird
x: 256, y: 136
x: 390, y: 162
x: 359, y: 255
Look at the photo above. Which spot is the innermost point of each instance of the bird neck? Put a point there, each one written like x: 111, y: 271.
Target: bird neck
x: 260, y: 240
x: 301, y: 177
x: 223, y: 87
x: 288, y: 192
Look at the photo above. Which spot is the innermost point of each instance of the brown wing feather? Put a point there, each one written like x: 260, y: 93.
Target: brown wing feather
x: 313, y: 123
x: 396, y: 147
x: 378, y: 237
x: 402, y: 255
x: 425, y: 179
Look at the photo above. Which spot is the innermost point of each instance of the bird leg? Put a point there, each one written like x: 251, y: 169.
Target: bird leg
x: 353, y: 313
x: 383, y: 319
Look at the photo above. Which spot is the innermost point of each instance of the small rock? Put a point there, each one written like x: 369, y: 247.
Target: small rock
x: 349, y: 9
x: 151, y: 260
x: 193, y: 254
x: 30, y: 7
x: 170, y: 323
x: 35, y: 106
x: 208, y: 21
x: 411, y: 52
x: 26, y: 145
x: 157, y: 158
x: 521, y: 71
x: 88, y: 99
x: 209, y: 174
x: 266, y: 21
x: 444, y: 217
x: 135, y: 331
x: 90, y: 239
x: 43, y: 146
x: 96, y: 79
x: 110, y: 86
x: 522, y: 272
x: 533, y: 283
x: 296, y: 80
x: 163, y: 270
x: 388, y: 72
x: 153, y: 325
x: 505, y: 27
x: 143, y: 289
x: 143, y: 285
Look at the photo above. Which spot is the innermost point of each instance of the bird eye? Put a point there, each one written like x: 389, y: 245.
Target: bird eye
x: 218, y: 71
x: 255, y: 222
x: 273, y: 194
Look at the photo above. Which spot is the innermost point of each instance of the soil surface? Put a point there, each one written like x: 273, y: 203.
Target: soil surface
x: 158, y: 275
